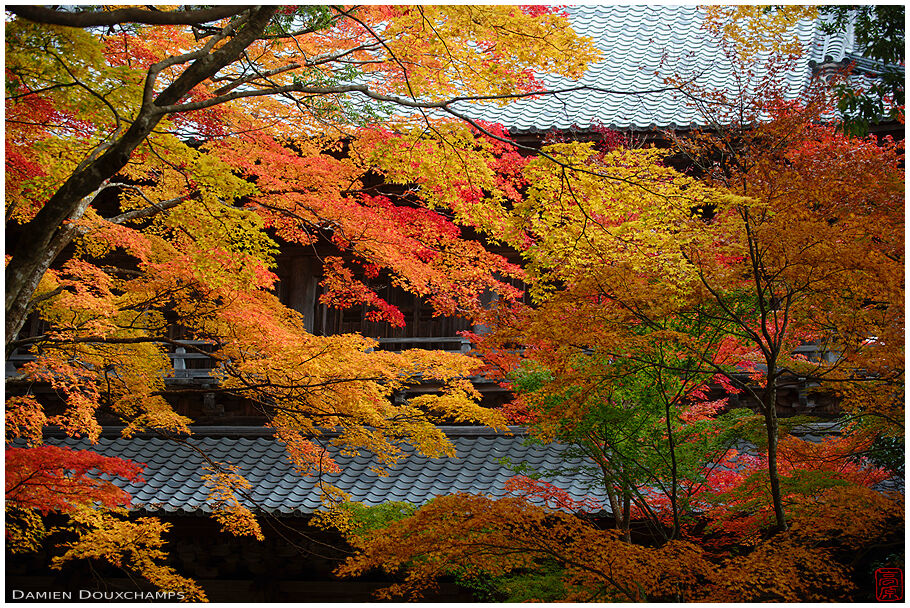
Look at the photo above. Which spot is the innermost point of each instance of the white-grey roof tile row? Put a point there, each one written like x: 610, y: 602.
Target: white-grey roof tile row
x: 641, y: 47
x: 174, y: 470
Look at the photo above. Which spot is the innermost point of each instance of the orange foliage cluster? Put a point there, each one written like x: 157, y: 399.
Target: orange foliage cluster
x: 481, y: 537
x: 500, y: 536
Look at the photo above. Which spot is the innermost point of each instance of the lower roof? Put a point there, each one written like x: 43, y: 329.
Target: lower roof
x: 484, y: 461
x: 174, y: 469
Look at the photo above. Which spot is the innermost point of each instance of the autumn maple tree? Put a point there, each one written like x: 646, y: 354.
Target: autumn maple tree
x: 645, y: 430
x: 156, y: 159
x: 792, y: 235
x: 769, y: 266
x: 659, y: 294
x: 866, y: 96
x: 499, y: 545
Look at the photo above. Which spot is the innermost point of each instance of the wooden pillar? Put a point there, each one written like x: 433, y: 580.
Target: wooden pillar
x: 301, y: 292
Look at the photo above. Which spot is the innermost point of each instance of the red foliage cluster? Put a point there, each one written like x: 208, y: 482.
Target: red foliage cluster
x: 50, y: 478
x: 537, y: 10
x: 535, y: 490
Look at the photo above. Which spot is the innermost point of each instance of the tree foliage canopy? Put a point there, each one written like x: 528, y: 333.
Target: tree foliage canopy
x: 874, y: 94
x: 156, y: 159
x: 650, y: 286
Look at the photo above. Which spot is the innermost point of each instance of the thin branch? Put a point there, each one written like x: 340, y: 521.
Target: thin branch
x: 152, y: 208
x: 40, y: 14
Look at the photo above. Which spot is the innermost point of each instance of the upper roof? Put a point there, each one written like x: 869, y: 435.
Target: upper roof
x: 642, y: 45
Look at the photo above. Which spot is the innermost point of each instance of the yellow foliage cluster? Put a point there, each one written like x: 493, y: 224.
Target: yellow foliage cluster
x: 758, y: 29
x: 460, y: 52
x: 224, y: 484
x: 25, y: 530
x: 134, y: 546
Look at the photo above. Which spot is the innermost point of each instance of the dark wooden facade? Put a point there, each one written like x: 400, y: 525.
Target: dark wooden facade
x: 299, y: 275
x: 294, y: 563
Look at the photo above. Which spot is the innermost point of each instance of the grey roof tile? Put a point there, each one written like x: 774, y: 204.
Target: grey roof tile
x: 641, y: 45
x: 174, y: 473
x: 174, y: 470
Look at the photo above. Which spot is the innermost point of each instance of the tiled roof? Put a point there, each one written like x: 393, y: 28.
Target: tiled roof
x: 866, y: 66
x: 641, y: 45
x: 173, y: 471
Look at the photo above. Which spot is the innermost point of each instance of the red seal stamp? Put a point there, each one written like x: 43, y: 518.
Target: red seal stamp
x: 889, y: 585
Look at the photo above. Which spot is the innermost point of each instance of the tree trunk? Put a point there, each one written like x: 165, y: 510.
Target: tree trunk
x: 674, y: 473
x: 769, y: 406
x: 626, y: 517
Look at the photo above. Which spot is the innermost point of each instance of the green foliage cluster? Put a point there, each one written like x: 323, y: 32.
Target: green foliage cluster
x: 365, y: 519
x: 546, y: 583
x: 880, y: 34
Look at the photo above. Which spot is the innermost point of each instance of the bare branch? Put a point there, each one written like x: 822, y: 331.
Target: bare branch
x: 152, y: 208
x: 154, y: 70
x: 40, y: 14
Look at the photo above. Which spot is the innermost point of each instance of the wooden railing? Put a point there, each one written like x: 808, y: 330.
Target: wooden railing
x: 453, y: 344
x: 187, y: 363
x: 190, y: 364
